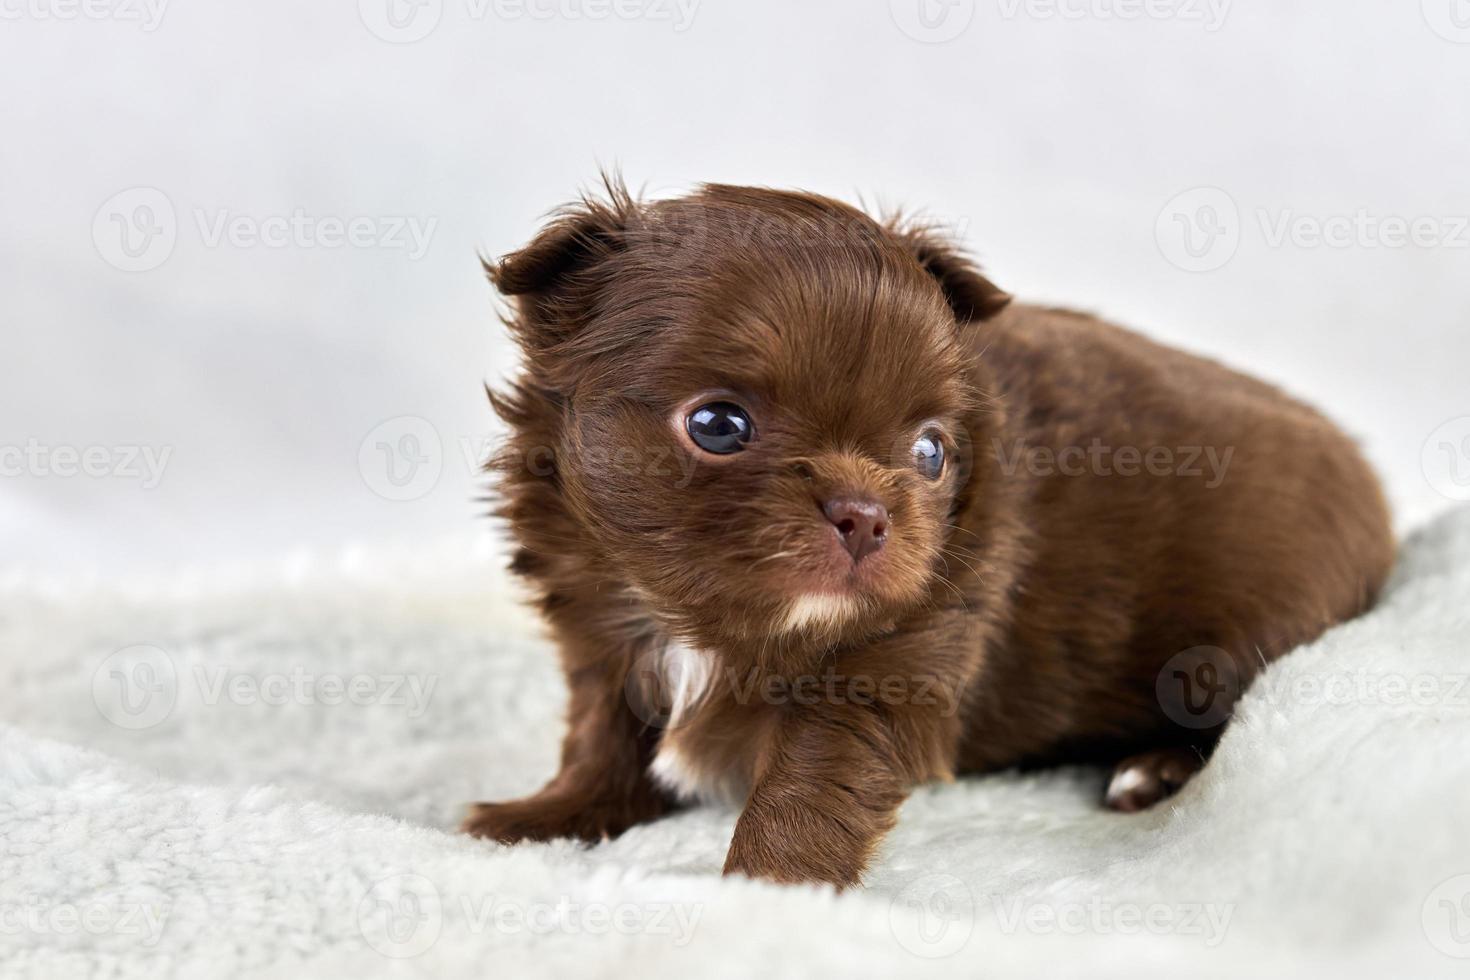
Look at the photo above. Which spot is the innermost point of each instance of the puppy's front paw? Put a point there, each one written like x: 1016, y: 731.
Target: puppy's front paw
x: 537, y: 818
x: 791, y: 861
x: 1142, y: 780
x: 549, y: 817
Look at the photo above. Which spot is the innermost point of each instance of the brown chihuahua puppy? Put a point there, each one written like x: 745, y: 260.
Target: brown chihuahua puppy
x: 816, y: 513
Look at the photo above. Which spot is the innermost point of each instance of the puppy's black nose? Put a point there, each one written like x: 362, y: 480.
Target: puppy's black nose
x: 862, y: 524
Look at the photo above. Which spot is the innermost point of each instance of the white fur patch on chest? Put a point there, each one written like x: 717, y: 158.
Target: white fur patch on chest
x: 686, y: 674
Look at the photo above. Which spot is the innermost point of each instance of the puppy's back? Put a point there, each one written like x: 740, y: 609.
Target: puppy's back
x: 1171, y: 503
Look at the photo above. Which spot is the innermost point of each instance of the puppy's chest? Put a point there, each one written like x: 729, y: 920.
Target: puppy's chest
x: 710, y: 740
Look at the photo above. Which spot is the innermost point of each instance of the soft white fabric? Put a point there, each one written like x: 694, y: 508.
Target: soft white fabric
x: 246, y: 831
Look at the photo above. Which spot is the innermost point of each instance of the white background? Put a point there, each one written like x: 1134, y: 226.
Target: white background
x: 1054, y: 138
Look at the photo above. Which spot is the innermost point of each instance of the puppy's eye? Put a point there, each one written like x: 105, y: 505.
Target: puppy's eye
x: 720, y: 428
x: 929, y: 455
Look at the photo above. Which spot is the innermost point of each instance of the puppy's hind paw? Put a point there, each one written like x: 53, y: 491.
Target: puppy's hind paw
x: 1140, y: 781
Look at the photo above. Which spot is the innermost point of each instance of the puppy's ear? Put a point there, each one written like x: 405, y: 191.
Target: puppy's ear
x: 552, y: 280
x: 971, y: 295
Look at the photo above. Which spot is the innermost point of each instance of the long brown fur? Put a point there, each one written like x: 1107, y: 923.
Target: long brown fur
x: 1026, y: 608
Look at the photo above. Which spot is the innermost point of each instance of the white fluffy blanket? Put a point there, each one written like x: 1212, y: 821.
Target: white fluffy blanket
x: 259, y: 775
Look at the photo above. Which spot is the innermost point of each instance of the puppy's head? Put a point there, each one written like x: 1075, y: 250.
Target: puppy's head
x: 759, y: 407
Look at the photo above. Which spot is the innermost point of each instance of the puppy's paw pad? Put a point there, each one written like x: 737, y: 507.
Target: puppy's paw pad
x: 1142, y: 780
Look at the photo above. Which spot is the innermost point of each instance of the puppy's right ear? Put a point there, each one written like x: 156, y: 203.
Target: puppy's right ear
x: 971, y: 295
x: 553, y: 279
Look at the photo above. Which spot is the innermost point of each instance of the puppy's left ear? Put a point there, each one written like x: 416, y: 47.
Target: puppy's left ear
x: 972, y: 296
x: 554, y: 280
